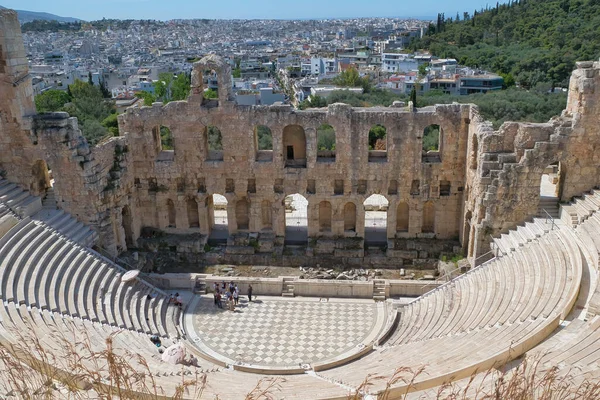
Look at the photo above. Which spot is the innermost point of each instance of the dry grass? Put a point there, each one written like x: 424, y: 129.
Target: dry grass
x: 71, y: 368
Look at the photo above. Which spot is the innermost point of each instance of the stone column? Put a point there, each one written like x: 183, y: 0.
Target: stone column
x: 205, y: 214
x: 312, y: 217
x: 360, y: 220
x: 391, y: 218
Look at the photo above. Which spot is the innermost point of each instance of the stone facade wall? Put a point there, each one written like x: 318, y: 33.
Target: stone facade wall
x: 481, y: 182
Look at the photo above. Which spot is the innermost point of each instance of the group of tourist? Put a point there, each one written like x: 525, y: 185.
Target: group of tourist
x: 230, y: 292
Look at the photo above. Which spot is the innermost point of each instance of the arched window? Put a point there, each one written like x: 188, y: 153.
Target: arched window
x: 242, y: 214
x: 378, y: 143
x: 172, y: 214
x: 350, y: 217
x: 192, y: 212
x: 432, y: 143
x: 428, y: 225
x: 263, y: 143
x: 325, y: 216
x: 294, y: 146
x: 325, y: 143
x: 213, y: 143
x: 402, y: 217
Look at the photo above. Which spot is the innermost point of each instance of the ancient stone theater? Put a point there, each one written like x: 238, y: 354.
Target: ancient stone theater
x: 519, y: 202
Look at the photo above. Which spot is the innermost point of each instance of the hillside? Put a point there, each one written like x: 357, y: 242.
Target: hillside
x: 28, y: 16
x: 532, y: 40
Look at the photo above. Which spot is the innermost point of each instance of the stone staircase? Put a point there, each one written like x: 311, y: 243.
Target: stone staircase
x: 549, y: 205
x: 288, y: 286
x: 378, y: 290
x: 45, y: 211
x: 49, y: 202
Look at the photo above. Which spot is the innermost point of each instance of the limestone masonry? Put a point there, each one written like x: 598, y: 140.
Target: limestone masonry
x: 479, y: 184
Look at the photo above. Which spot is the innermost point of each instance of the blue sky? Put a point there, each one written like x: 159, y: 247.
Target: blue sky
x: 230, y: 9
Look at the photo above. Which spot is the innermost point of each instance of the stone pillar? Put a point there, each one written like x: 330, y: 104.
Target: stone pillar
x: 312, y: 217
x: 181, y: 217
x: 360, y: 220
x: 205, y: 215
x: 391, y: 218
x: 231, y: 218
x: 278, y: 217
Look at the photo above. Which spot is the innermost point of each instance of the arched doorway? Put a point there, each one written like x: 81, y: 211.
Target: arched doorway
x: 41, y: 178
x: 127, y: 225
x: 172, y: 214
x: 550, y: 191
x: 350, y: 217
x: 376, y: 208
x: 192, y: 213
x: 402, y: 217
x: 428, y: 225
x: 296, y: 219
x: 219, y: 231
x: 466, y: 245
x: 242, y: 216
x: 325, y: 215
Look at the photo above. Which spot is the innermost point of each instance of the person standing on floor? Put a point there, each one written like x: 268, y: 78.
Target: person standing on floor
x: 249, y: 292
x: 236, y: 295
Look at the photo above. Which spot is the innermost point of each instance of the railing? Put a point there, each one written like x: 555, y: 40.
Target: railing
x: 483, y: 255
x: 549, y: 217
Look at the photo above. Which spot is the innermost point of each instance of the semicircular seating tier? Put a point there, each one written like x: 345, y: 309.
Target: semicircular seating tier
x: 493, y: 313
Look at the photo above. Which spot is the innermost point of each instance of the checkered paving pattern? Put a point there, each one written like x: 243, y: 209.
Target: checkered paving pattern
x: 284, y: 332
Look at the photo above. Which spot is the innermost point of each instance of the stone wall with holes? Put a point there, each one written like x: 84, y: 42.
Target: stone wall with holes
x: 255, y: 182
x: 505, y: 167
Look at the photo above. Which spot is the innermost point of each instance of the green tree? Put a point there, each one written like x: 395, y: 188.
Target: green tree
x: 325, y: 138
x: 264, y: 138
x: 214, y: 138
x: 413, y: 95
x: 147, y: 97
x: 211, y: 94
x: 376, y: 134
x: 431, y: 138
x: 313, y: 102
x: 51, y: 100
x: 111, y: 123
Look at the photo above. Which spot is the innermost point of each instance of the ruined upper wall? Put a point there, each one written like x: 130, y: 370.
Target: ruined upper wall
x: 18, y: 155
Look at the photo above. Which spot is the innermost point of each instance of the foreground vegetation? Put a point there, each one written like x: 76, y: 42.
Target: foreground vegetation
x: 30, y: 370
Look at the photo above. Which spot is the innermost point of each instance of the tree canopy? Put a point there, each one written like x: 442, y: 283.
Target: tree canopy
x: 534, y: 41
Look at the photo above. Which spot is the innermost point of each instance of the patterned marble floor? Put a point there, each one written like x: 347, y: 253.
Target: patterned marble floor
x: 283, y: 332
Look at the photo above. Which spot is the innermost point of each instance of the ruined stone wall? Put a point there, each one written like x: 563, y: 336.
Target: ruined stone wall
x: 20, y: 160
x: 504, y: 176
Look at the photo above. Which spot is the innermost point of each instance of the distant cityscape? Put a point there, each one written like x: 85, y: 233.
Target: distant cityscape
x: 272, y: 60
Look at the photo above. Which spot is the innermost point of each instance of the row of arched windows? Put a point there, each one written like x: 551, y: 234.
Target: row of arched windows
x: 294, y: 143
x: 325, y: 215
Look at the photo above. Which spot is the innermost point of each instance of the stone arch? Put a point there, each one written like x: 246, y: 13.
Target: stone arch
x: 376, y: 210
x: 242, y: 214
x: 428, y: 224
x: 296, y: 219
x: 266, y: 214
x: 325, y: 143
x: 263, y: 143
x: 325, y: 216
x: 126, y: 220
x: 213, y: 143
x: 192, y: 213
x: 294, y: 146
x: 378, y: 143
x: 172, y: 214
x: 402, y: 217
x: 217, y: 205
x: 41, y: 177
x: 550, y: 192
x: 223, y: 71
x: 350, y: 217
x: 432, y: 143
